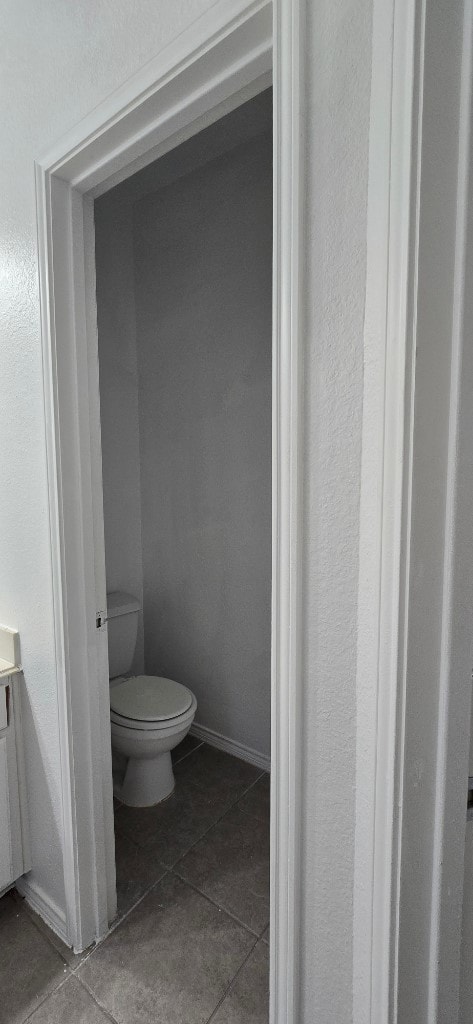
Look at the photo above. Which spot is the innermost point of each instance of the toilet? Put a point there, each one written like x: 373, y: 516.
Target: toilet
x: 149, y: 715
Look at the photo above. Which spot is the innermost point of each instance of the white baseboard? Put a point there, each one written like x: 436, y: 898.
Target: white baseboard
x: 46, y: 909
x: 215, y: 739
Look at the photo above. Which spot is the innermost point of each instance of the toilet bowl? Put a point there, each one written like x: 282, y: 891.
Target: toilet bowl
x: 149, y: 715
x: 147, y: 742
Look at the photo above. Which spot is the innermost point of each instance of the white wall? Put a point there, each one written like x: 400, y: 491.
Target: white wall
x: 59, y: 61
x: 119, y: 401
x: 337, y: 116
x: 203, y: 267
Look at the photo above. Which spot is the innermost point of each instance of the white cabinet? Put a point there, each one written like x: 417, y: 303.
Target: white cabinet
x: 14, y: 844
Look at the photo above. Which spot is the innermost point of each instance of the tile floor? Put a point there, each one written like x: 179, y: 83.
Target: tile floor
x: 189, y: 945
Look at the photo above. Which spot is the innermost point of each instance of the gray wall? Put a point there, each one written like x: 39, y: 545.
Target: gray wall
x: 119, y: 401
x: 203, y: 250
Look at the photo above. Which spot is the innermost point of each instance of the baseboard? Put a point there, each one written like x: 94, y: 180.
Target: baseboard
x: 46, y: 909
x: 215, y: 739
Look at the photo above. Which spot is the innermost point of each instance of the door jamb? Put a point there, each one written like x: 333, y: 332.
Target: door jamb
x: 222, y: 59
x: 384, y: 952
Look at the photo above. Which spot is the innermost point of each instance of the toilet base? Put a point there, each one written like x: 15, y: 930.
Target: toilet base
x: 147, y: 781
x: 142, y: 756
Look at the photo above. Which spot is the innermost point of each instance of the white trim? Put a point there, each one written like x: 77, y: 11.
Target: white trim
x: 384, y: 500
x: 454, y: 739
x: 387, y: 958
x: 434, y: 685
x: 215, y: 60
x: 216, y: 739
x: 50, y: 383
x: 47, y: 910
x: 220, y: 54
x: 286, y: 725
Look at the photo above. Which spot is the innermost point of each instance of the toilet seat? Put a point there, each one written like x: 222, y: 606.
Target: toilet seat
x: 148, y: 702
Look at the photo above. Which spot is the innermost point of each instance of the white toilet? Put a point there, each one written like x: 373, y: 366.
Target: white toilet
x: 149, y: 715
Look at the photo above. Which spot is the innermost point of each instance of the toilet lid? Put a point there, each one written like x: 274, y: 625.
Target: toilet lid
x: 149, y: 698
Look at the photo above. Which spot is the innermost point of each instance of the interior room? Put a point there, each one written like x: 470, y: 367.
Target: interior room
x: 184, y: 293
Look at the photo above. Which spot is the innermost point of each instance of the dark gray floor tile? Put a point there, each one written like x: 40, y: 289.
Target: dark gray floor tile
x: 257, y: 800
x: 71, y: 1003
x: 29, y: 966
x: 248, y: 999
x: 188, y: 744
x: 137, y: 870
x: 170, y: 961
x: 231, y: 866
x: 217, y: 772
x: 72, y: 959
x: 265, y: 936
x: 173, y: 826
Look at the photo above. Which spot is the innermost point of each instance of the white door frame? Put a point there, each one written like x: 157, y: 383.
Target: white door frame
x: 416, y: 582
x: 222, y: 59
x: 435, y: 681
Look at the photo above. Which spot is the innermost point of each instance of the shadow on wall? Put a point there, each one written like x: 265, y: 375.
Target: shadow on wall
x: 184, y: 297
x: 203, y: 297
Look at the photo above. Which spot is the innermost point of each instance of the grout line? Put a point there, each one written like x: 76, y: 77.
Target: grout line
x: 118, y: 921
x: 47, y: 996
x: 257, y: 939
x: 231, y: 984
x: 100, y: 1005
x: 217, y: 906
x: 72, y: 971
x: 167, y: 868
x: 255, y: 817
x: 214, y: 824
x: 42, y: 929
x: 171, y: 866
x: 189, y: 752
x: 46, y: 938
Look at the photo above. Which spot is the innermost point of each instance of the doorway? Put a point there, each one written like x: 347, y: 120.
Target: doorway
x: 183, y: 253
x: 209, y: 71
x: 184, y: 307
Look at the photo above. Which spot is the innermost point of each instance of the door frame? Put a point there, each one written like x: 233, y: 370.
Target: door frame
x: 414, y: 673
x: 436, y: 657
x: 225, y: 57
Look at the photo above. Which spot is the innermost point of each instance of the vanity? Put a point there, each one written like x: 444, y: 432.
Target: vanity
x: 14, y: 835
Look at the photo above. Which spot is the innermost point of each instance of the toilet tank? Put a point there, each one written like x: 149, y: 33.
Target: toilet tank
x: 122, y: 613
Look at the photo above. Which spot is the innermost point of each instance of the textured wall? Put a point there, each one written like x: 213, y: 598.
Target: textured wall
x: 59, y: 61
x: 338, y: 92
x: 119, y: 401
x: 203, y: 266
